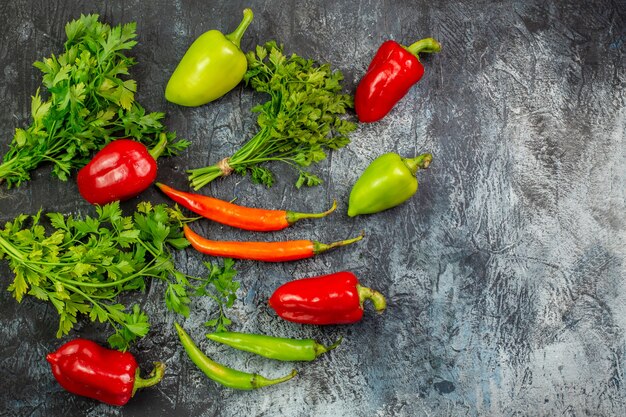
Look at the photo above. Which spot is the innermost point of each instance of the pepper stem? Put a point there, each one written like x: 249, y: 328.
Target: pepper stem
x: 321, y: 349
x: 374, y: 296
x: 159, y: 147
x: 155, y: 377
x: 259, y: 381
x: 237, y: 34
x: 419, y: 162
x: 319, y: 247
x: 293, y: 216
x: 427, y: 45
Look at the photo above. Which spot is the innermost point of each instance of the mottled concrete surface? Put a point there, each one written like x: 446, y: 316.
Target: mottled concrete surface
x: 505, y: 274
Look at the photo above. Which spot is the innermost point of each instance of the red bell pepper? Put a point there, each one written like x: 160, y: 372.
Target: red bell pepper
x: 390, y: 75
x: 119, y: 171
x: 327, y: 299
x: 85, y: 368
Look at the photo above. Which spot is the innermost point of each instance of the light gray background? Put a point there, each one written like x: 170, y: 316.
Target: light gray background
x: 504, y: 274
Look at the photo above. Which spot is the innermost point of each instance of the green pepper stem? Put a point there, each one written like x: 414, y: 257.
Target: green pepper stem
x: 237, y: 34
x: 259, y: 381
x: 159, y: 147
x: 155, y: 377
x: 293, y: 216
x: 319, y: 247
x: 374, y: 296
x: 419, y: 162
x: 321, y: 349
x: 427, y: 45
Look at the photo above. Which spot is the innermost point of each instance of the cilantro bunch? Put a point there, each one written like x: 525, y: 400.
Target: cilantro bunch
x: 297, y: 125
x: 84, y: 264
x: 90, y: 101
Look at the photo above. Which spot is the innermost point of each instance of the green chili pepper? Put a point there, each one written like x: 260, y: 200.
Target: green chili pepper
x: 279, y: 348
x: 228, y: 377
x: 387, y: 182
x: 212, y: 66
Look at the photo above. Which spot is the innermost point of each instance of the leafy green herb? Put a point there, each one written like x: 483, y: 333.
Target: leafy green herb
x: 83, y: 264
x: 91, y: 102
x: 300, y: 122
x: 221, y: 287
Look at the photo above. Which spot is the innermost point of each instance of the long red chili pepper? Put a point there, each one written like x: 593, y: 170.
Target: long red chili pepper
x: 85, y: 368
x: 247, y: 218
x: 289, y: 250
x: 327, y: 299
x: 119, y: 171
x: 390, y: 75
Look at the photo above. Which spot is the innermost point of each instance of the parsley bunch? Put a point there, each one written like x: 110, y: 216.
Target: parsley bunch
x: 85, y: 263
x: 297, y: 125
x: 91, y: 102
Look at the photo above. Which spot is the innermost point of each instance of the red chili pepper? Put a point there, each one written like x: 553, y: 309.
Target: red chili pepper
x: 85, y: 368
x: 119, y: 171
x: 327, y: 299
x: 390, y: 75
x: 247, y: 218
x: 288, y: 250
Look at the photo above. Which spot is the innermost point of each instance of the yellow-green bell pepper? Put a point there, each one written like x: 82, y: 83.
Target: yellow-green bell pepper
x: 212, y: 66
x: 387, y: 182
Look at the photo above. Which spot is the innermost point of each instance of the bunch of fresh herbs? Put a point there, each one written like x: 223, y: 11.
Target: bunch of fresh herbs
x: 83, y: 265
x: 301, y: 120
x: 90, y: 101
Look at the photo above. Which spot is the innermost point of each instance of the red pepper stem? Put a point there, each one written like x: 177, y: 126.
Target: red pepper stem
x: 293, y: 216
x: 419, y: 162
x: 427, y: 45
x: 237, y: 34
x: 155, y: 377
x: 321, y: 349
x: 159, y: 147
x: 319, y: 247
x: 374, y: 296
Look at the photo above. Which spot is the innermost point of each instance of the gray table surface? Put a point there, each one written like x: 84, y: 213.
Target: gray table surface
x: 504, y: 274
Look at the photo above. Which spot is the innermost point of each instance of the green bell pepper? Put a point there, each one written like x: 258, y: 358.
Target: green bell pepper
x: 212, y: 66
x: 387, y: 182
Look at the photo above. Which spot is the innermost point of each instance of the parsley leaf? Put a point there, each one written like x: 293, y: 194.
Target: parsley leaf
x: 302, y: 119
x: 89, y: 102
x: 222, y: 288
